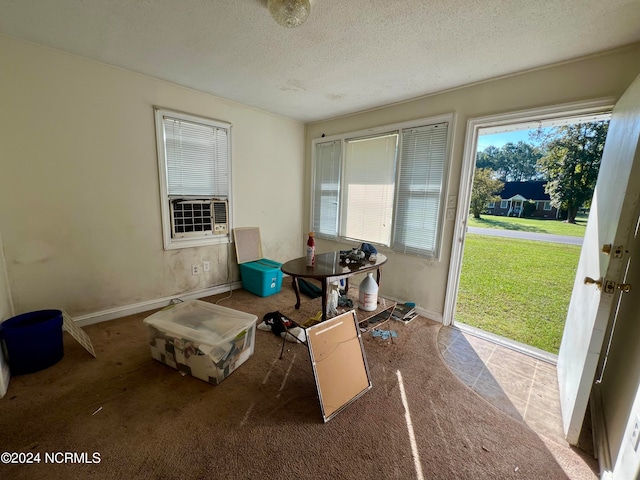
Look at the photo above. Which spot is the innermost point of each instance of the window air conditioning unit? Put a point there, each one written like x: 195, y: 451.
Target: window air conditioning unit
x: 198, y: 217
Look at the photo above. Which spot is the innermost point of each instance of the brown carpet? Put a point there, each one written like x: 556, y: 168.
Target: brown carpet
x: 263, y: 422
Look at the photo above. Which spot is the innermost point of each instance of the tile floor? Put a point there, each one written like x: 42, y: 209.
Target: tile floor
x: 518, y: 384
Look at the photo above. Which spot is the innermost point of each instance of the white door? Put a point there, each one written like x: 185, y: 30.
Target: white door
x: 610, y: 222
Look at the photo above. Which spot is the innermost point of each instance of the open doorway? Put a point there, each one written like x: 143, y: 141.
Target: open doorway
x: 508, y: 281
x: 600, y: 286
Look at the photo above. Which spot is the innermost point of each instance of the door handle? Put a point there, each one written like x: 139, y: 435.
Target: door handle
x: 610, y: 285
x: 625, y: 287
x: 591, y: 281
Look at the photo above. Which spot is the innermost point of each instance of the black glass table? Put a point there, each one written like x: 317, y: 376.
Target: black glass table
x: 328, y: 268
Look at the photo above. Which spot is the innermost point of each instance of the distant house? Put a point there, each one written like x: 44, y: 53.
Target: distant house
x: 516, y: 195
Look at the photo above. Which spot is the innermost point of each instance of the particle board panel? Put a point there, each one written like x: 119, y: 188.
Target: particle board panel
x: 339, y: 363
x: 248, y: 244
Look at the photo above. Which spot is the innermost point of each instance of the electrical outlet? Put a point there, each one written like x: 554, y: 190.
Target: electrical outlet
x: 195, y: 269
x: 206, y: 266
x: 635, y: 434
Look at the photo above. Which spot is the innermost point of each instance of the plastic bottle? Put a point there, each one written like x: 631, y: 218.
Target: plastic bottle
x: 368, y: 294
x: 311, y: 251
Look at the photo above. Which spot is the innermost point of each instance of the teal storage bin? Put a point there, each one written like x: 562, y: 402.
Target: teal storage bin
x: 261, y: 277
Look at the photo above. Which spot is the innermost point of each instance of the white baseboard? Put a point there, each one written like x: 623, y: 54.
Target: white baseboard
x: 105, y: 315
x: 430, y: 314
x: 423, y: 312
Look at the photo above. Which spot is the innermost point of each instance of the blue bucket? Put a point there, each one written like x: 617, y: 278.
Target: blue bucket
x: 33, y: 340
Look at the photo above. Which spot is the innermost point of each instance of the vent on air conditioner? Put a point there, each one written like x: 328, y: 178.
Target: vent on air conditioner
x: 220, y: 213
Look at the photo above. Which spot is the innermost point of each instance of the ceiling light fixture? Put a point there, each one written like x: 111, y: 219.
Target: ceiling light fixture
x: 289, y: 13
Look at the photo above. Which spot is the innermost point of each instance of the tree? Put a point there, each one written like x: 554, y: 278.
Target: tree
x: 485, y: 190
x: 514, y: 162
x: 489, y: 158
x: 522, y: 159
x: 571, y: 163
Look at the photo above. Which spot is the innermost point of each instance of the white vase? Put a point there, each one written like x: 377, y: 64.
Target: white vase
x: 368, y: 294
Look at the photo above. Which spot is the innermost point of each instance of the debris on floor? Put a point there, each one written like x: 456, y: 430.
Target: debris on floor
x: 384, y: 334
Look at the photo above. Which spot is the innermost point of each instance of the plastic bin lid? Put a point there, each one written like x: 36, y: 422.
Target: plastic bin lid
x: 202, y: 322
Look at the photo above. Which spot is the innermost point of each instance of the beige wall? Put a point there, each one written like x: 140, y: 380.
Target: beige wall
x: 79, y: 206
x: 424, y: 281
x: 79, y: 194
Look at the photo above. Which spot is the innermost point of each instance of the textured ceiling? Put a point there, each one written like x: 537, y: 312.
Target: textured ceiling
x: 351, y: 55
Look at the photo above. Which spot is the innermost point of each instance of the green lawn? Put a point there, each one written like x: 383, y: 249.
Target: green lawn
x: 556, y: 227
x: 518, y: 289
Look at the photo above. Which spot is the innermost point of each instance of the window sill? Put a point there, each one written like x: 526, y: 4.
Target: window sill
x: 350, y: 243
x: 177, y: 243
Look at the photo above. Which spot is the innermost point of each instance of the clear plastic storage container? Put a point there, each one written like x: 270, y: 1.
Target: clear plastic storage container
x: 201, y: 339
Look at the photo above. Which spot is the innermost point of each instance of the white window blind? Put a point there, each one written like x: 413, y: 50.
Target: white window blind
x: 326, y: 193
x: 194, y: 167
x: 420, y: 188
x: 369, y: 188
x: 384, y: 185
x: 197, y: 158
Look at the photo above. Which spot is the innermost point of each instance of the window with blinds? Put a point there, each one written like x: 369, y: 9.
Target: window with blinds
x: 369, y: 184
x: 420, y: 188
x: 197, y: 158
x: 326, y: 194
x: 194, y: 163
x: 386, y: 188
